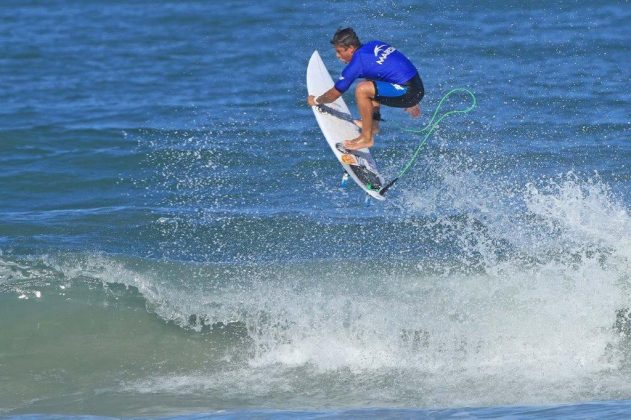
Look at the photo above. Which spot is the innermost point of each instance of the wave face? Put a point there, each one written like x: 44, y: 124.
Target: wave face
x: 173, y: 237
x: 535, y: 315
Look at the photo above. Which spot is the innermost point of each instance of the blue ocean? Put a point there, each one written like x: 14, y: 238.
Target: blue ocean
x: 175, y: 241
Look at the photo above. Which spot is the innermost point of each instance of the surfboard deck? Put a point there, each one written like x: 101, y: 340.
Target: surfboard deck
x: 336, y: 123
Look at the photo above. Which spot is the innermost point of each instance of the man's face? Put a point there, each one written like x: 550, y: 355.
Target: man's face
x: 344, y: 53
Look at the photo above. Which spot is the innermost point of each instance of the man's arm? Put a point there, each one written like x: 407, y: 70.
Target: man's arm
x: 329, y: 96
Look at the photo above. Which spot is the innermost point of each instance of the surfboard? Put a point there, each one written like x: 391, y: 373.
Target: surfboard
x: 336, y: 123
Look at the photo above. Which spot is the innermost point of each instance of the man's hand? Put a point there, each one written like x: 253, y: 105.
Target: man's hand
x: 327, y: 97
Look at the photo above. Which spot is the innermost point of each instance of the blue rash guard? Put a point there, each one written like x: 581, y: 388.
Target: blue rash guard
x: 378, y: 61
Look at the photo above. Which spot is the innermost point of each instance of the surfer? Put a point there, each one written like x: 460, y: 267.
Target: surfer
x: 391, y: 80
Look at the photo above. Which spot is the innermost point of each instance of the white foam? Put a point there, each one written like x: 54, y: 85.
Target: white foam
x: 534, y: 325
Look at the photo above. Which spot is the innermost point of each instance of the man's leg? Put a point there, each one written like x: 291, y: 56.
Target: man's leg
x: 364, y: 93
x: 376, y: 117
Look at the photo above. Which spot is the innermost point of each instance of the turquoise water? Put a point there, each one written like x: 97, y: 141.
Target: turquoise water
x: 174, y: 240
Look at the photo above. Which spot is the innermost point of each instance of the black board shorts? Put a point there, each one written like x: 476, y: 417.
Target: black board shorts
x: 399, y: 96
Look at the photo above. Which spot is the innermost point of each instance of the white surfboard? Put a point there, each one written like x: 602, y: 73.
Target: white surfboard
x: 336, y: 123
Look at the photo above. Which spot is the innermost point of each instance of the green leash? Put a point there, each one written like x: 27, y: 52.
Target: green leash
x: 429, y: 129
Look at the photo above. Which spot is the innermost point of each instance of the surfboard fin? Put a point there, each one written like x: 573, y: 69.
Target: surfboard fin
x: 344, y: 182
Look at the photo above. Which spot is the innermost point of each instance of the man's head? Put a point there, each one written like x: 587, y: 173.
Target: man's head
x: 346, y: 38
x: 345, y: 42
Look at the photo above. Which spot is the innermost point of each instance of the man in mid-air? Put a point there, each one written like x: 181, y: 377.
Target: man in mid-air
x: 391, y: 80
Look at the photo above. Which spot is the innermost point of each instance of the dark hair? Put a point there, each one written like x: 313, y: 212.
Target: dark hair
x: 346, y: 38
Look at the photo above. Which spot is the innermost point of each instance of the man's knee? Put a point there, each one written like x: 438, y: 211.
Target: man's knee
x: 366, y: 89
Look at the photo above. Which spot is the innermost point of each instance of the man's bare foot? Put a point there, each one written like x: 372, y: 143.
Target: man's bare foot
x: 414, y: 111
x: 375, y: 125
x: 358, y: 143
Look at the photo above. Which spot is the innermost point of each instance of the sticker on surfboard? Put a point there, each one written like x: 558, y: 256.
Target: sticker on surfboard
x: 348, y: 159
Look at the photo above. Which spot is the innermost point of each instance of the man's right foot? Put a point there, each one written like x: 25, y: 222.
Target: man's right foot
x: 358, y: 143
x: 414, y: 111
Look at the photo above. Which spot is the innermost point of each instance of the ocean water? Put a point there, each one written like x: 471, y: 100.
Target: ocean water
x: 174, y: 240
